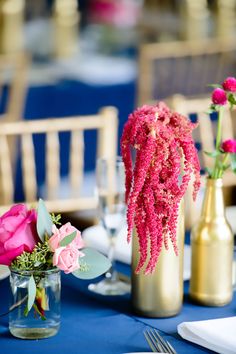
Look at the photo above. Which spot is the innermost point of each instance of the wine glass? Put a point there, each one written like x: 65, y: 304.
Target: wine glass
x: 110, y: 180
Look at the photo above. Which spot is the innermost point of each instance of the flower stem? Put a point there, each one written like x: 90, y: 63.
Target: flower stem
x: 225, y: 159
x: 217, y: 169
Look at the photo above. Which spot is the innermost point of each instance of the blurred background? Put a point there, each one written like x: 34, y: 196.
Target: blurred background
x: 73, y: 57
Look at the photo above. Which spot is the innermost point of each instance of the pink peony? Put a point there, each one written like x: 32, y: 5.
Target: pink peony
x: 67, y: 258
x: 229, y: 146
x: 229, y: 84
x: 59, y: 234
x: 219, y: 97
x: 17, y: 233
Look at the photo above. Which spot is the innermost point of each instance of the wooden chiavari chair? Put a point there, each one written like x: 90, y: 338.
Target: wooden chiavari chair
x: 106, y: 125
x: 184, y: 67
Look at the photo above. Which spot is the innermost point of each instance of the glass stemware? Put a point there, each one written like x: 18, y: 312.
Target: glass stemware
x: 110, y: 179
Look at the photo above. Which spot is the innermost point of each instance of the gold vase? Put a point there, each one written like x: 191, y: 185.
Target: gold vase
x: 159, y: 294
x: 212, y: 251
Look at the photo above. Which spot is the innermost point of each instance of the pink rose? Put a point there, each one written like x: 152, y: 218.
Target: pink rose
x: 59, y: 234
x: 67, y: 258
x: 219, y: 97
x: 18, y: 233
x: 229, y: 146
x: 229, y: 84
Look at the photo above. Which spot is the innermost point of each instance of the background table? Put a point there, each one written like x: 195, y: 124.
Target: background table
x: 93, y: 324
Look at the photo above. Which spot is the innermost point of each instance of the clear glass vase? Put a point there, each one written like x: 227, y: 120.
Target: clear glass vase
x: 43, y: 319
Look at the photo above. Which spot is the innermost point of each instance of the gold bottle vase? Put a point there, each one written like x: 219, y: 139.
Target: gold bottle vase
x: 212, y: 251
x: 159, y: 294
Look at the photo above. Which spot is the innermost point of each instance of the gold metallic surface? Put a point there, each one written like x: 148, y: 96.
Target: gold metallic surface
x: 161, y: 293
x: 212, y: 251
x: 11, y: 26
x: 66, y: 25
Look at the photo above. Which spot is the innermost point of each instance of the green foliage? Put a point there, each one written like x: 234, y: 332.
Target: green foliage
x: 233, y: 162
x: 92, y: 264
x: 44, y: 221
x: 213, y: 153
x: 39, y: 259
x: 31, y: 293
x: 56, y: 219
x: 68, y: 239
x: 231, y: 100
x: 215, y: 85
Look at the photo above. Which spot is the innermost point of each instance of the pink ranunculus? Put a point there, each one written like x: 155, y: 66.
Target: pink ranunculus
x: 67, y: 258
x: 229, y: 84
x: 229, y: 146
x: 219, y: 97
x: 18, y: 233
x: 59, y: 234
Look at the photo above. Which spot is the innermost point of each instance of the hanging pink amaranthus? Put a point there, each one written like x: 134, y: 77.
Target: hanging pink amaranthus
x: 154, y: 185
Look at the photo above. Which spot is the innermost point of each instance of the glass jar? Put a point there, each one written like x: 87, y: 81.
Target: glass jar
x: 43, y: 319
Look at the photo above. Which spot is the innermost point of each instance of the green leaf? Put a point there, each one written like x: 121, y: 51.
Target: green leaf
x: 31, y: 293
x: 233, y: 162
x: 209, y: 171
x: 214, y: 153
x: 43, y: 318
x: 68, y: 239
x: 210, y: 111
x: 97, y: 264
x: 231, y: 100
x: 26, y: 311
x: 44, y: 221
x: 215, y: 85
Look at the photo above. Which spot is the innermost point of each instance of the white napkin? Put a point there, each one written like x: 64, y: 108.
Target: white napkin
x: 96, y: 236
x: 218, y: 335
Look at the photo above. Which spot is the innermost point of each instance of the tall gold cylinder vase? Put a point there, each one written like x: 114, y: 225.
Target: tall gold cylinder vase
x: 212, y: 251
x: 159, y: 294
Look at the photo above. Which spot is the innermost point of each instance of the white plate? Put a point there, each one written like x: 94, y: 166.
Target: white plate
x: 4, y: 271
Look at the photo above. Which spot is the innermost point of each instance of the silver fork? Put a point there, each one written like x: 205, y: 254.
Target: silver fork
x: 157, y: 343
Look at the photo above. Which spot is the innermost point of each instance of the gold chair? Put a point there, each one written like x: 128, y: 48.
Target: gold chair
x: 184, y: 67
x: 13, y: 72
x: 204, y: 137
x: 106, y: 125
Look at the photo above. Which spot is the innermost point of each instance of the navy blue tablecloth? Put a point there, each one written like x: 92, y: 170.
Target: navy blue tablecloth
x: 93, y: 324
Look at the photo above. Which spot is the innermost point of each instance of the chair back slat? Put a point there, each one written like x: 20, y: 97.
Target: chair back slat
x: 6, y: 177
x: 28, y: 168
x: 17, y: 90
x: 107, y: 136
x: 106, y: 125
x: 52, y: 164
x: 76, y: 160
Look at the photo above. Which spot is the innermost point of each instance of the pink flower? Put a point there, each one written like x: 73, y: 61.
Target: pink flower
x: 219, y: 97
x: 59, y: 234
x: 67, y: 258
x: 229, y: 146
x: 154, y: 190
x: 17, y: 233
x: 229, y: 84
